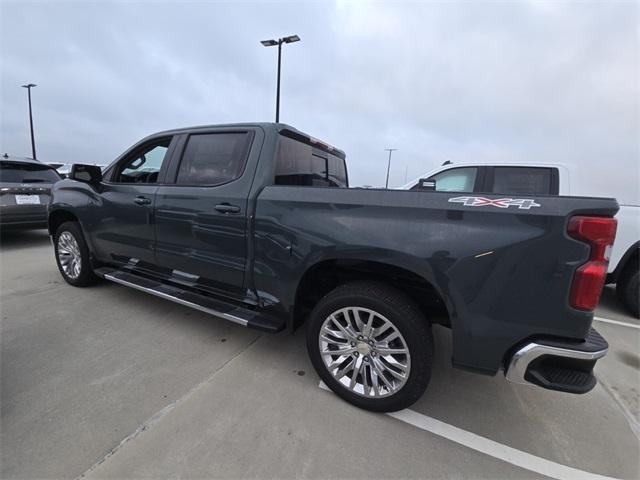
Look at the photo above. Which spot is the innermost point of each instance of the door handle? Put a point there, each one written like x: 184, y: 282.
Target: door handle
x: 141, y: 201
x: 227, y: 208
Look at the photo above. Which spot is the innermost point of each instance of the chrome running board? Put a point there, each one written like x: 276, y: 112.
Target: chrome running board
x: 217, y: 308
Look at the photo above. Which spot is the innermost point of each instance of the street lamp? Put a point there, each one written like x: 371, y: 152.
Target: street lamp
x: 386, y: 185
x: 29, y: 86
x: 273, y: 43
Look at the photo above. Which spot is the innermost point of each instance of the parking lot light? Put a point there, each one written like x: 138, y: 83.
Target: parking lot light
x: 273, y: 43
x: 291, y: 39
x: 29, y: 86
x: 390, y: 150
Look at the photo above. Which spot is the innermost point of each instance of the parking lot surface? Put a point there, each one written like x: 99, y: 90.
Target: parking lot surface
x: 108, y: 382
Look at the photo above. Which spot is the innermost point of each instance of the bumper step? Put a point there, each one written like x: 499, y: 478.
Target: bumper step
x: 558, y: 364
x: 218, y: 308
x: 553, y: 377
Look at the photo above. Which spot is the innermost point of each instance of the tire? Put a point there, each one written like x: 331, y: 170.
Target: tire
x: 397, y: 324
x: 628, y: 288
x: 73, y: 259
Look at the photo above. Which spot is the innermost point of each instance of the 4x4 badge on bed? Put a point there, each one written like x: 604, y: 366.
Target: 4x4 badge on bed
x: 521, y: 203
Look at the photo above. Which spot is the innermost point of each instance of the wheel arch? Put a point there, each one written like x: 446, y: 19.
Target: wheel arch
x: 631, y: 255
x: 329, y: 273
x: 57, y: 218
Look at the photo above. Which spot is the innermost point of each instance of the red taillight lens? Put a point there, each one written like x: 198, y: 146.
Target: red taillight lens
x: 599, y: 232
x: 587, y: 285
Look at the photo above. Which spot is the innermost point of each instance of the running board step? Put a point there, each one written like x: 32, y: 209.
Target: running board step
x: 217, y: 308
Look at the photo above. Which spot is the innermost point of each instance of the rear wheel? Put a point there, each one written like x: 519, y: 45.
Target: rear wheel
x: 371, y: 345
x: 72, y: 255
x: 628, y: 287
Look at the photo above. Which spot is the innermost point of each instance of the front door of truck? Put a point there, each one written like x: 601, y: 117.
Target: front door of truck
x: 122, y: 228
x: 201, y: 220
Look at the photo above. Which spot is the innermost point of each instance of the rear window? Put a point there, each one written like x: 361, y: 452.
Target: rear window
x: 11, y: 172
x: 298, y: 163
x: 522, y: 180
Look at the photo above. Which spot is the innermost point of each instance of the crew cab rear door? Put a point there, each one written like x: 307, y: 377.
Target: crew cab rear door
x: 201, y: 212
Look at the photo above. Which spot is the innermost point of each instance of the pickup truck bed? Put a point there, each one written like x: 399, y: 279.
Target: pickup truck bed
x: 505, y: 277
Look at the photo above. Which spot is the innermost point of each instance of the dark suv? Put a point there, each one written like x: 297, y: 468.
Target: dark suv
x: 25, y: 187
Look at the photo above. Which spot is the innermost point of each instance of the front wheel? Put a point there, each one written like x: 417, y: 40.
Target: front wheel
x: 371, y: 345
x: 72, y: 255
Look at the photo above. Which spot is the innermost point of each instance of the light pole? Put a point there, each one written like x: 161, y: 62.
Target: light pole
x: 386, y: 185
x: 29, y: 86
x: 273, y: 43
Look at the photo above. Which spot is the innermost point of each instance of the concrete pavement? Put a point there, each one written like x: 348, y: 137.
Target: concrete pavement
x: 108, y: 382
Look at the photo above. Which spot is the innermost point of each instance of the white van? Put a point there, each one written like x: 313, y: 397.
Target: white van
x: 557, y: 179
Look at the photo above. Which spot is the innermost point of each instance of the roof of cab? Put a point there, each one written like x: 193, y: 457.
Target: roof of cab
x: 266, y: 125
x: 10, y: 158
x: 278, y: 127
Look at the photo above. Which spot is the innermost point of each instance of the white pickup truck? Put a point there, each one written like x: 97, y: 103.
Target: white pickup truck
x: 557, y: 179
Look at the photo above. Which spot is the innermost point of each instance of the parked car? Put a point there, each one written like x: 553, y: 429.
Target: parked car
x: 554, y: 179
x: 254, y: 223
x: 25, y: 186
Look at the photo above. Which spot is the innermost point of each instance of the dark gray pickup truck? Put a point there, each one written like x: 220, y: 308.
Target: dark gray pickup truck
x: 255, y: 224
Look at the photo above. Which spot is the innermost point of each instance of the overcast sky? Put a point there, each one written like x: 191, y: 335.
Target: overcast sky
x: 503, y: 81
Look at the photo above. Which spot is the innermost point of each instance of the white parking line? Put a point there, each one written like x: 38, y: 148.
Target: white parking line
x: 616, y: 322
x: 489, y: 447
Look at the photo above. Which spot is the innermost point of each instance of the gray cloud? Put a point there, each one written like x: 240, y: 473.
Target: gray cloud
x: 521, y: 81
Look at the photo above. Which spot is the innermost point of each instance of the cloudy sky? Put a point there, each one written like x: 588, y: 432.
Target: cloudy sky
x: 521, y: 81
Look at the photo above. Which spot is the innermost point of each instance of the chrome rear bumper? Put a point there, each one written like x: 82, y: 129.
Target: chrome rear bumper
x: 557, y: 365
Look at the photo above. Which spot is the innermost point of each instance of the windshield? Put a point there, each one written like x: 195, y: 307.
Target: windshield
x: 12, y: 172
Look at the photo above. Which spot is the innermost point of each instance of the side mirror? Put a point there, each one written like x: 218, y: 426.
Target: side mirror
x: 91, y: 174
x: 427, y: 184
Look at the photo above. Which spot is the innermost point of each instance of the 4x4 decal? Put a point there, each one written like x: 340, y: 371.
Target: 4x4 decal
x: 521, y: 203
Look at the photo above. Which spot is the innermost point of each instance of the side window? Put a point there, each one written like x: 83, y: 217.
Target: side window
x: 144, y: 165
x: 300, y: 164
x: 456, y: 179
x: 337, y: 174
x: 522, y: 180
x: 213, y: 158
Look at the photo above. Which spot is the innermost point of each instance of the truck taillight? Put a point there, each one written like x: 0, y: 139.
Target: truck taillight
x: 588, y: 281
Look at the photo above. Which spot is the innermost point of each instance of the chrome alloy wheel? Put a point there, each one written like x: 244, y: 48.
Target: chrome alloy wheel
x: 364, y: 352
x: 69, y: 255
